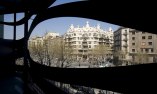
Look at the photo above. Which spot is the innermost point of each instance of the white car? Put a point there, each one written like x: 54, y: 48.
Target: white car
x: 106, y: 65
x: 101, y: 66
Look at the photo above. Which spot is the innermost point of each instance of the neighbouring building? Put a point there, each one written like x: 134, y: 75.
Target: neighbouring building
x: 47, y: 38
x: 84, y: 39
x: 40, y: 40
x: 134, y: 46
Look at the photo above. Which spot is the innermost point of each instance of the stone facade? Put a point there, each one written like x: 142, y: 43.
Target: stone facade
x: 84, y: 39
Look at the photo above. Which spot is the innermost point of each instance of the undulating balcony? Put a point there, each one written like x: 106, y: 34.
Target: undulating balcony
x: 125, y: 45
x: 125, y: 39
x: 84, y: 48
x: 85, y: 44
x: 101, y: 37
x: 125, y: 34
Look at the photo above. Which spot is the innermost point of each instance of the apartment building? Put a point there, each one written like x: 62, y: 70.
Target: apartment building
x: 134, y: 46
x: 40, y: 40
x: 83, y: 39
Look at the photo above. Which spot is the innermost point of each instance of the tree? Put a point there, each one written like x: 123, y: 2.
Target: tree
x: 141, y: 58
x: 62, y: 52
x: 49, y: 52
x: 37, y: 52
x: 119, y: 57
x: 52, y: 52
x: 19, y: 61
x: 99, y: 53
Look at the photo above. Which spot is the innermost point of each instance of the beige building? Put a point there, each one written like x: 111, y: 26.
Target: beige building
x: 40, y: 40
x: 134, y: 46
x: 83, y: 39
x: 35, y: 41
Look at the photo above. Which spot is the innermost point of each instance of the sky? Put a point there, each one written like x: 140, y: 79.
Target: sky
x: 59, y: 25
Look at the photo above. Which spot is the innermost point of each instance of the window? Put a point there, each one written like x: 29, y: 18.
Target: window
x: 143, y: 32
x: 133, y: 43
x: 74, y: 38
x: 74, y: 46
x: 146, y: 50
x: 149, y: 37
x: 74, y: 34
x: 80, y: 50
x: 89, y: 42
x: 85, y: 50
x: 89, y: 46
x: 151, y: 50
x: 133, y: 32
x: 143, y: 43
x: 133, y: 38
x: 141, y: 50
x: 74, y: 42
x: 133, y: 50
x: 143, y: 37
x: 149, y: 43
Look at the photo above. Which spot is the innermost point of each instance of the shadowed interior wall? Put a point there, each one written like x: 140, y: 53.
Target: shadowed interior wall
x: 1, y: 27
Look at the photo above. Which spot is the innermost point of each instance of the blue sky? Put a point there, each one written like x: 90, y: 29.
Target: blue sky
x: 59, y: 25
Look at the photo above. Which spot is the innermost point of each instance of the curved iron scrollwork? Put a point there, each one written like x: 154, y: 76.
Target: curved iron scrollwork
x: 20, y: 22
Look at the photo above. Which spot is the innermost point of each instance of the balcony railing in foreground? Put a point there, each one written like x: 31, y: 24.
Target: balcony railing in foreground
x: 75, y: 89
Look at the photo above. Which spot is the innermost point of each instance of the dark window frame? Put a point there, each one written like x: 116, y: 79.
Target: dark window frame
x: 149, y: 37
x: 150, y: 43
x: 143, y: 37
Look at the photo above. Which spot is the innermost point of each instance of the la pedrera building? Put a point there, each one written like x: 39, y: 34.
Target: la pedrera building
x: 89, y: 42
